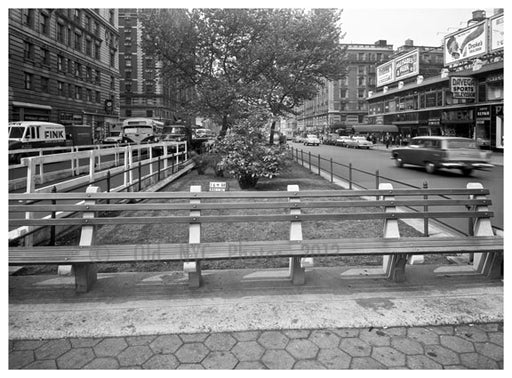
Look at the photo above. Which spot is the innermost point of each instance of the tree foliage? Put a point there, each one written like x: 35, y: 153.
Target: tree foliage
x: 240, y: 60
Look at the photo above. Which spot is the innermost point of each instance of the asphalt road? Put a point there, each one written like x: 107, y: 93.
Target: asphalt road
x: 377, y: 159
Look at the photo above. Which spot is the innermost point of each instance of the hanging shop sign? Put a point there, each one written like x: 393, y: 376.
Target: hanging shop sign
x: 462, y: 87
x: 407, y: 65
x: 497, y: 31
x: 465, y: 44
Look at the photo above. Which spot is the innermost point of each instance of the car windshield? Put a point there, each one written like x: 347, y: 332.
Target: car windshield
x: 138, y: 129
x: 460, y: 143
x: 16, y: 132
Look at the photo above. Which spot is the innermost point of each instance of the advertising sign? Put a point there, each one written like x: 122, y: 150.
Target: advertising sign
x: 497, y: 30
x: 462, y: 87
x: 385, y: 73
x: 465, y: 44
x: 407, y: 65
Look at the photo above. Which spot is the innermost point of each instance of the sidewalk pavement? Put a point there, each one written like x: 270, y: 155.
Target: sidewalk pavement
x: 342, y: 318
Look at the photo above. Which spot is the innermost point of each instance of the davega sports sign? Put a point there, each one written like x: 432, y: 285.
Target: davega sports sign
x: 462, y: 87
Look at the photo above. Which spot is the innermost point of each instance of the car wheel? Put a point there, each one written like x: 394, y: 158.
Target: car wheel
x: 466, y: 171
x: 399, y: 162
x: 430, y: 167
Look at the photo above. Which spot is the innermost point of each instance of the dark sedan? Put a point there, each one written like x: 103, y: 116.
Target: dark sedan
x: 436, y: 152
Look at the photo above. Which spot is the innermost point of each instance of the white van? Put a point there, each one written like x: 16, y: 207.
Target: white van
x: 34, y: 134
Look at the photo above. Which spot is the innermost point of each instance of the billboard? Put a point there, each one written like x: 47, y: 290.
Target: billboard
x: 407, y: 65
x: 385, y: 73
x: 497, y: 29
x: 462, y: 87
x: 465, y: 44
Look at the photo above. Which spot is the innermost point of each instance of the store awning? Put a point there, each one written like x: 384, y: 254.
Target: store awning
x: 375, y: 129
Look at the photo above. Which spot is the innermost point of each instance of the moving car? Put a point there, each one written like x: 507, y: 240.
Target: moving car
x: 358, y: 142
x: 436, y: 152
x: 311, y: 139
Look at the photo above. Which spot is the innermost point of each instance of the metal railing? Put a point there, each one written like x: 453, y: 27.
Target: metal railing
x: 331, y: 170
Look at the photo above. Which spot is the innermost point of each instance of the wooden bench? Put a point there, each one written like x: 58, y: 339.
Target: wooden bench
x: 293, y: 208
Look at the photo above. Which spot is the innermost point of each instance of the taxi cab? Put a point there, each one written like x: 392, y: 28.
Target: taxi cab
x: 437, y: 152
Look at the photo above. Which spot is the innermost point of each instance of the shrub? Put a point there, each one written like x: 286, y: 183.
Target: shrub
x: 246, y: 155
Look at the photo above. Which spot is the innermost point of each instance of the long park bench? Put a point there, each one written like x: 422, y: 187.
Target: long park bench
x: 294, y: 209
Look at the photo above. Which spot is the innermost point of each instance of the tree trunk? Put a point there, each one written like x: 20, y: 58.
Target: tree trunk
x: 224, y: 127
x: 272, y: 129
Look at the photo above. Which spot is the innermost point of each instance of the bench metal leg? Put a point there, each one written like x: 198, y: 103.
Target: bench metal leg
x: 297, y: 272
x: 85, y: 276
x: 193, y: 268
x: 396, y: 267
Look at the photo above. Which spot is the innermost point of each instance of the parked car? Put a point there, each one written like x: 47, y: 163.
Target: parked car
x: 330, y: 139
x: 297, y: 139
x: 340, y: 141
x: 438, y: 152
x: 358, y: 142
x: 311, y: 139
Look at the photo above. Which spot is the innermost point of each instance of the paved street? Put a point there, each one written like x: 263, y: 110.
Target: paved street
x: 478, y: 346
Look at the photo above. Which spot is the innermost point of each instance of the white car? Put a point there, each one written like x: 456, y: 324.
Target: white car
x: 311, y: 140
x: 341, y: 141
x: 358, y: 142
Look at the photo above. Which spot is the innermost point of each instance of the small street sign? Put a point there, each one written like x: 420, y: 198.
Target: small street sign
x: 218, y: 186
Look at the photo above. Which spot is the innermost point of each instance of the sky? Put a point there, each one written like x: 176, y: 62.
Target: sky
x: 426, y: 27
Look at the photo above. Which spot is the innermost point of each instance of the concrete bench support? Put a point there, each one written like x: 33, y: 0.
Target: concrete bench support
x: 86, y: 273
x: 193, y: 268
x: 393, y: 265
x: 489, y: 264
x: 297, y: 264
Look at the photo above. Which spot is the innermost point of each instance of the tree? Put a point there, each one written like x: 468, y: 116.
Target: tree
x: 240, y: 60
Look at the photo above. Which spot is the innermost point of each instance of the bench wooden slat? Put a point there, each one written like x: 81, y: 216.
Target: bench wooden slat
x: 256, y: 249
x: 244, y: 194
x: 248, y: 218
x: 246, y: 205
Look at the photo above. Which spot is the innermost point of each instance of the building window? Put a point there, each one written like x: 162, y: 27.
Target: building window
x: 45, y: 57
x: 89, y: 95
x: 88, y: 74
x: 28, y: 51
x: 97, y: 50
x: 28, y: 17
x: 361, y: 56
x: 60, y: 88
x: 70, y: 37
x: 44, y: 23
x: 98, y: 77
x: 361, y: 80
x: 128, y: 61
x: 127, y: 87
x: 70, y: 91
x: 96, y: 29
x: 112, y: 58
x: 128, y: 75
x: 88, y: 47
x: 98, y: 97
x: 45, y: 84
x: 61, y: 33
x: 60, y: 63
x: 111, y: 18
x: 88, y: 22
x: 360, y: 93
x: 70, y: 66
x: 76, y: 16
x: 343, y: 93
x: 78, y: 41
x: 112, y: 83
x: 149, y: 113
x: 29, y: 84
x: 149, y: 88
x: 78, y: 70
x: 128, y: 112
x: 78, y: 92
